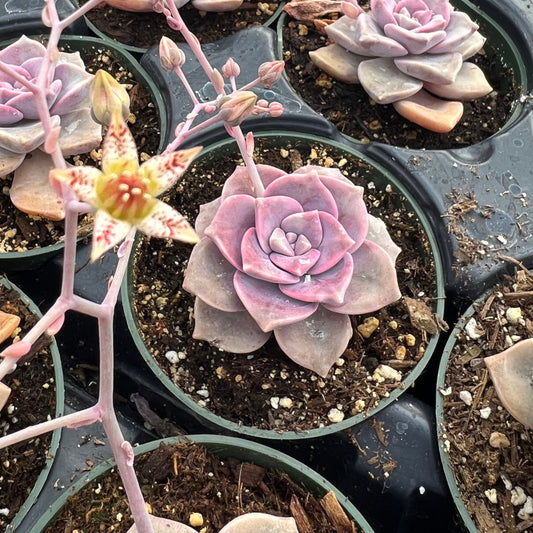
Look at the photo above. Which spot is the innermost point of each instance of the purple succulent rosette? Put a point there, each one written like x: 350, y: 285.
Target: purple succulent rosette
x: 297, y: 261
x: 411, y: 53
x: 67, y: 98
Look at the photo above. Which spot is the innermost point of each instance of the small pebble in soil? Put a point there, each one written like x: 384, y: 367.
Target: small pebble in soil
x: 384, y: 372
x: 513, y: 315
x: 285, y: 402
x: 499, y: 440
x: 196, y: 519
x: 484, y: 413
x: 518, y: 496
x: 368, y: 327
x: 492, y: 495
x: 466, y: 397
x: 335, y: 415
x: 172, y: 357
x: 472, y: 330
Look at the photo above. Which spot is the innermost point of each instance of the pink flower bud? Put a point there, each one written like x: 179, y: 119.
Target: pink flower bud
x: 270, y: 72
x: 351, y: 8
x: 218, y: 81
x: 275, y: 109
x: 231, y: 69
x: 108, y: 96
x: 170, y: 55
x: 234, y: 108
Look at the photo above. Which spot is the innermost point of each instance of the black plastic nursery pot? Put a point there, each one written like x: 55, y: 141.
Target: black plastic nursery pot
x: 224, y: 448
x: 485, y: 474
x: 11, y: 520
x: 120, y: 30
x: 14, y: 261
x: 375, y: 176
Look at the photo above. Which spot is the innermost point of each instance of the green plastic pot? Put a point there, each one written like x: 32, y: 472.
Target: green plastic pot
x: 59, y: 411
x: 34, y: 258
x: 223, y: 447
x: 381, y: 177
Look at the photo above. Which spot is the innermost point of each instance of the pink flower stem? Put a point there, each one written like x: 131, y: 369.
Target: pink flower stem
x: 185, y: 133
x: 253, y: 174
x: 187, y: 86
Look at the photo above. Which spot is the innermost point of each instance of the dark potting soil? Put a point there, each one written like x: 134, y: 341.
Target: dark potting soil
x: 181, y: 479
x: 21, y: 232
x: 352, y: 111
x: 246, y: 388
x: 485, y: 472
x: 144, y: 30
x: 32, y: 400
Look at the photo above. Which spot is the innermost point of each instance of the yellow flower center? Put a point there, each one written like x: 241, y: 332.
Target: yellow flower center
x: 125, y: 196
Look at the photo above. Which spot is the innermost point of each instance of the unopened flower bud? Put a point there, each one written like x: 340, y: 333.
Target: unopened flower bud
x: 351, y: 8
x: 231, y: 69
x: 170, y: 55
x: 218, y: 81
x: 234, y: 108
x: 275, y: 109
x: 108, y: 96
x: 270, y: 72
x: 45, y: 17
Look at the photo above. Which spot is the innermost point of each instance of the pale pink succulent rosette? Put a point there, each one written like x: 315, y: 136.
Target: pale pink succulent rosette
x: 21, y: 132
x: 409, y: 53
x: 296, y: 262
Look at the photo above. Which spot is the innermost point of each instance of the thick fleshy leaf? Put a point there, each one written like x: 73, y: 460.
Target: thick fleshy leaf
x: 119, y: 147
x: 164, y: 171
x: 164, y: 222
x: 337, y: 62
x: 81, y: 180
x: 383, y: 11
x: 218, y: 6
x: 79, y: 132
x: 257, y: 263
x: 430, y: 112
x: 471, y: 46
x: 9, y: 161
x: 307, y: 223
x: 206, y: 215
x: 210, y: 276
x: 239, y: 182
x: 511, y: 372
x: 31, y: 191
x: 297, y: 264
x: 378, y: 234
x: 279, y: 243
x: 414, y: 42
x: 269, y: 214
x: 470, y: 83
x: 364, y: 37
x: 234, y: 217
x: 459, y: 29
x: 260, y: 523
x: 269, y: 307
x: 75, y: 88
x: 335, y: 243
x: 26, y: 103
x: 385, y: 82
x: 374, y: 283
x: 234, y: 332
x: 317, y: 342
x: 307, y: 189
x: 22, y: 50
x: 434, y: 68
x: 328, y: 287
x: 24, y: 138
x: 9, y: 115
x: 107, y: 233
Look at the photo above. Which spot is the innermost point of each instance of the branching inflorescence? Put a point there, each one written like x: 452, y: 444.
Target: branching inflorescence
x: 294, y: 254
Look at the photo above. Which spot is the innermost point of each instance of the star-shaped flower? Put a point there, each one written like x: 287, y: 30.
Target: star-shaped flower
x: 124, y: 192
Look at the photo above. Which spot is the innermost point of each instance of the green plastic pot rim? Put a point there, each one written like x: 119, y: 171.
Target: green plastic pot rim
x: 521, y: 73
x: 138, y: 50
x: 225, y: 447
x: 439, y: 416
x: 347, y: 422
x: 60, y: 406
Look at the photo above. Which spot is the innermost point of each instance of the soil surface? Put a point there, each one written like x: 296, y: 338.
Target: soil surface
x: 32, y: 400
x: 20, y: 231
x: 181, y: 479
x: 491, y: 479
x: 125, y: 27
x: 248, y: 389
x: 352, y: 111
